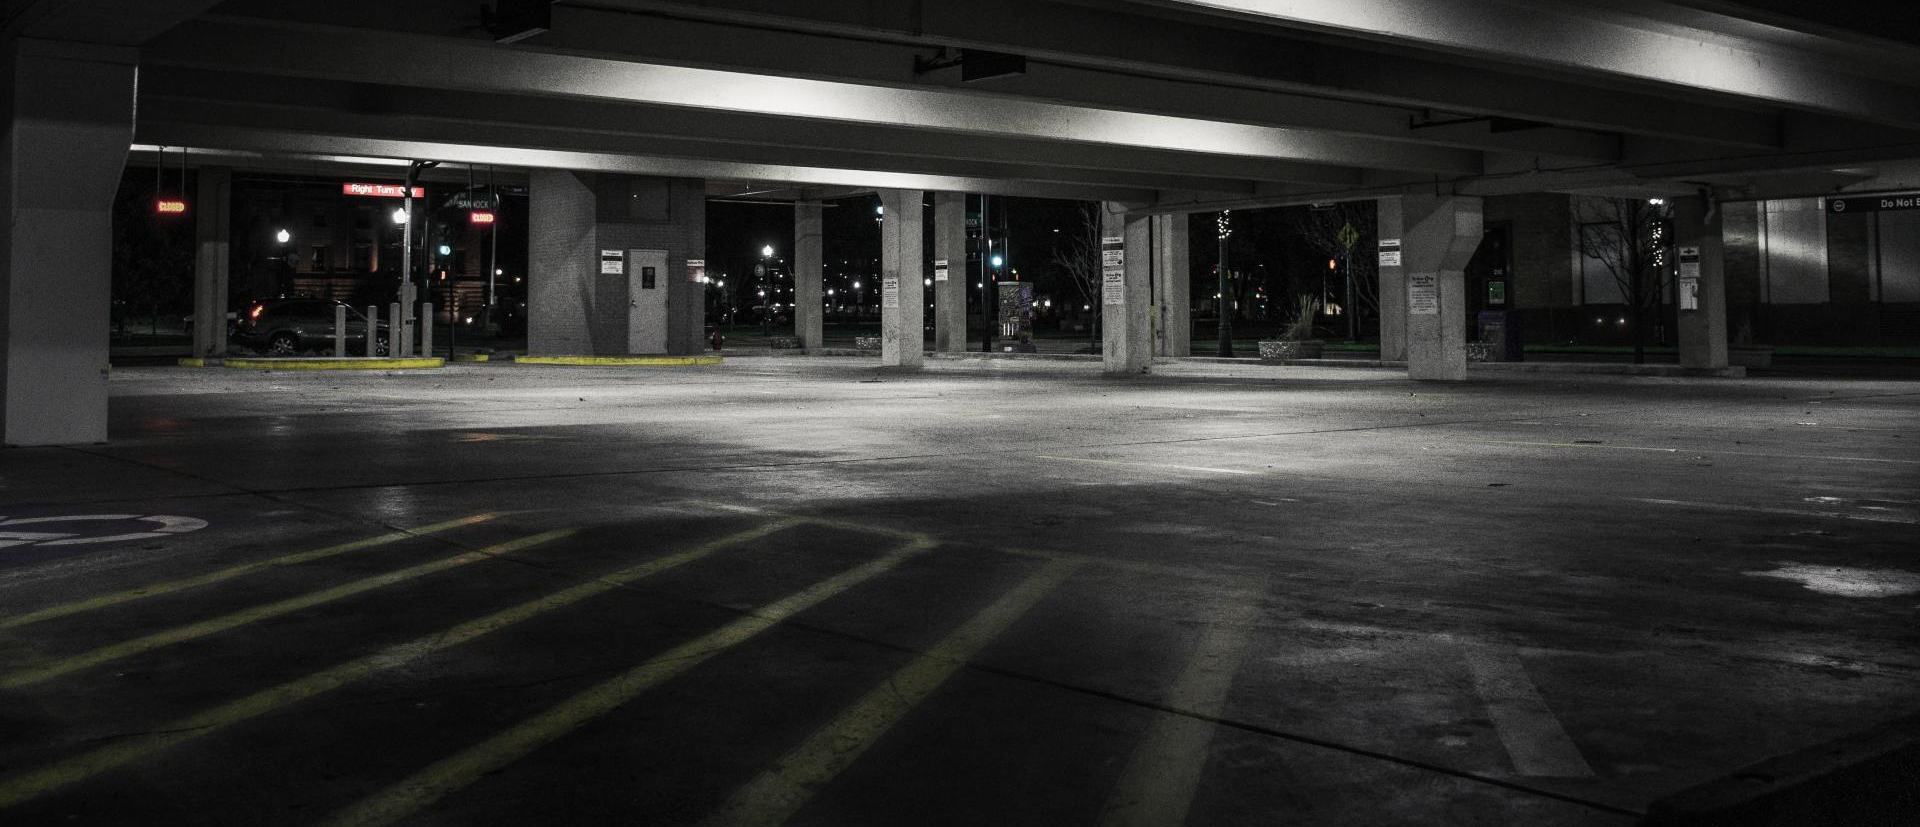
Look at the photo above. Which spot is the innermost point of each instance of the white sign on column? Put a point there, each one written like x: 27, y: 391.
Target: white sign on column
x: 1389, y: 252
x: 1423, y: 294
x: 890, y: 292
x: 1113, y: 270
x: 940, y: 269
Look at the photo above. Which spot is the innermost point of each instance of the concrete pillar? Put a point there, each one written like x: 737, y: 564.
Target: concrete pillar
x: 576, y: 309
x: 1702, y: 272
x: 950, y: 281
x: 66, y: 119
x: 1172, y: 291
x: 903, y: 312
x: 1124, y: 284
x: 1393, y: 279
x: 213, y: 233
x: 809, y: 263
x: 1441, y: 235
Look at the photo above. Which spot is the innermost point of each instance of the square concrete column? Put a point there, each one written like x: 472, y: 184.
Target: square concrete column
x: 950, y: 279
x: 1393, y: 280
x: 213, y: 231
x: 1702, y: 283
x: 1126, y: 271
x: 1441, y: 235
x: 903, y: 312
x: 809, y: 263
x: 66, y: 119
x: 1172, y: 289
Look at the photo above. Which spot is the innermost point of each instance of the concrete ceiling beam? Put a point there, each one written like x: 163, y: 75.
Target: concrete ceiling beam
x: 378, y: 57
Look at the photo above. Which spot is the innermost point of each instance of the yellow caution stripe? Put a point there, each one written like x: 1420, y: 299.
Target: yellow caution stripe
x: 343, y: 363
x: 646, y: 361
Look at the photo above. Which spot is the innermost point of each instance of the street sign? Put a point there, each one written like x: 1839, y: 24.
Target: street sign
x: 1348, y: 236
x: 1890, y: 202
x: 380, y: 190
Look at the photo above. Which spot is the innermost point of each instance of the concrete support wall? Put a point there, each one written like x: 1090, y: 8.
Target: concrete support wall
x: 1703, y: 331
x: 1124, y: 294
x: 1390, y: 219
x: 950, y: 295
x: 809, y: 262
x: 1172, y: 293
x: 573, y: 309
x: 213, y: 230
x: 66, y: 112
x: 1441, y: 235
x: 902, y: 296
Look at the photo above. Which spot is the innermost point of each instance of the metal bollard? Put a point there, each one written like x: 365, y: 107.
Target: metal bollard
x: 396, y: 332
x: 373, y: 330
x: 426, y: 328
x: 339, y: 331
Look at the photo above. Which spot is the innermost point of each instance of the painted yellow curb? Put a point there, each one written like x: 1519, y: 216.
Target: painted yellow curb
x: 653, y: 361
x: 471, y: 357
x: 193, y: 362
x: 350, y: 363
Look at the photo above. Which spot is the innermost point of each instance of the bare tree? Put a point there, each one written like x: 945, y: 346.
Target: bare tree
x: 1320, y: 228
x: 1629, y: 237
x: 1079, y: 258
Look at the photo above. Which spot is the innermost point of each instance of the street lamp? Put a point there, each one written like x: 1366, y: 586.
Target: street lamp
x: 283, y: 236
x: 1224, y: 226
x: 761, y: 270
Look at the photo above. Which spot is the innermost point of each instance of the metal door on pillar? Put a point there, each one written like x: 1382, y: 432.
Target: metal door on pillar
x: 646, y: 301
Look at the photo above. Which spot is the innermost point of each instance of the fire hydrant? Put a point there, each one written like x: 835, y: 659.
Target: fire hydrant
x: 718, y: 340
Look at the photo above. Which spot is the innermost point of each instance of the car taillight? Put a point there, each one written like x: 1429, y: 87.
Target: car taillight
x: 255, y: 313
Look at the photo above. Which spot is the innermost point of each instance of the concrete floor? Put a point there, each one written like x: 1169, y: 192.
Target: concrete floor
x: 804, y: 590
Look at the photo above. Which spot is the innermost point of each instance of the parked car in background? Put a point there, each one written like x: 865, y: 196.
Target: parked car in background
x: 286, y: 327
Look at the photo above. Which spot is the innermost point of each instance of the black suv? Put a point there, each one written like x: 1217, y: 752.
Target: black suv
x: 285, y: 327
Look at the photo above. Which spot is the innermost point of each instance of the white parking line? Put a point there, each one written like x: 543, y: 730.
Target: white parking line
x: 1532, y: 735
x: 1159, y: 782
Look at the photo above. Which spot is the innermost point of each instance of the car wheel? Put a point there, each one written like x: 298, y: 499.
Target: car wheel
x: 380, y: 346
x: 283, y: 344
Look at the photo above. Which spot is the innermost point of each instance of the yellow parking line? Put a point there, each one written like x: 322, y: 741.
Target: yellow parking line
x: 449, y: 775
x: 191, y: 631
x: 169, y: 735
x: 775, y: 795
x: 155, y: 589
x: 1159, y: 781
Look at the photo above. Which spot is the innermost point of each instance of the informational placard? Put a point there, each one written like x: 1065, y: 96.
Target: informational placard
x: 696, y: 270
x: 1891, y: 202
x: 890, y: 292
x: 1113, y: 270
x: 1689, y: 278
x: 940, y: 269
x: 1389, y: 252
x: 1423, y: 294
x: 613, y: 262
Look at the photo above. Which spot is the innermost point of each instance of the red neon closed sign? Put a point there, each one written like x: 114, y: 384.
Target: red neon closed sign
x: 381, y: 190
x: 481, y: 217
x: 170, y: 206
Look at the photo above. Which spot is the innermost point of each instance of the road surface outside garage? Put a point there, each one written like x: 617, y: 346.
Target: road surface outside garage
x: 793, y: 590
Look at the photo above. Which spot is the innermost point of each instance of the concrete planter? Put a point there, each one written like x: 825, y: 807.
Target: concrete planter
x: 784, y: 343
x: 1483, y: 352
x: 1750, y: 356
x: 1274, y: 351
x: 866, y: 343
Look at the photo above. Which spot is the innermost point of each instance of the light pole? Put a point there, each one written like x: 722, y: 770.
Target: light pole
x: 1224, y: 226
x: 766, y: 304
